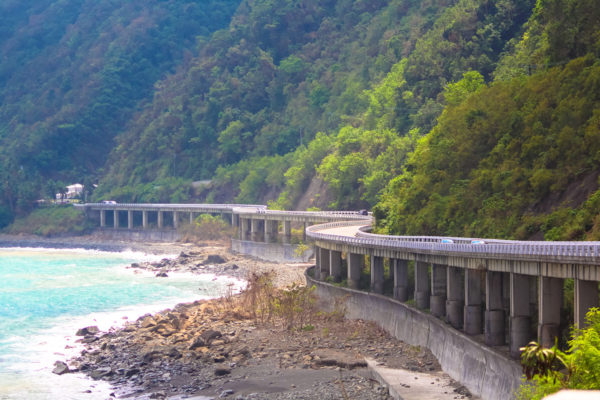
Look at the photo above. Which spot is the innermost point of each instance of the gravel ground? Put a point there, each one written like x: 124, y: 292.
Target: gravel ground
x: 217, y: 349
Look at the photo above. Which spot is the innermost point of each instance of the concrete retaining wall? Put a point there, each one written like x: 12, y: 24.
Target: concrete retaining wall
x: 486, y: 373
x: 276, y: 252
x: 138, y: 235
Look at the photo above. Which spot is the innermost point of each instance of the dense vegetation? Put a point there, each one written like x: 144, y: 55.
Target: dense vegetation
x: 550, y: 370
x: 73, y: 72
x: 463, y: 117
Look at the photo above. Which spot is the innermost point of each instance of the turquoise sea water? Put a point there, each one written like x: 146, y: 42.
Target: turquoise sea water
x: 46, y: 295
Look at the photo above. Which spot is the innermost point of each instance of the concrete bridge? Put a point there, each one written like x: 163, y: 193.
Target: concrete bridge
x: 498, y: 293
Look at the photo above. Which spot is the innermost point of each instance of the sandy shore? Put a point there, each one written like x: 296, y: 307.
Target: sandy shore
x: 219, y: 349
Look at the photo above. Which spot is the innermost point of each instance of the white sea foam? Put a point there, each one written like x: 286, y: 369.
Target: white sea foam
x: 26, y: 370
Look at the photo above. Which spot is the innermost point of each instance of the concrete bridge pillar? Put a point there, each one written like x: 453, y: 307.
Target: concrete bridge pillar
x: 438, y: 290
x: 175, y: 219
x: 335, y: 265
x: 586, y: 297
x: 271, y: 230
x: 129, y: 219
x: 160, y: 219
x: 257, y: 230
x: 422, y: 285
x: 192, y: 218
x: 116, y: 219
x: 400, y: 279
x: 317, y: 262
x: 550, y: 297
x: 287, y: 231
x: 324, y: 263
x: 473, y: 299
x: 377, y: 274
x: 304, y: 226
x: 144, y: 219
x: 520, y: 313
x: 243, y: 229
x: 494, y: 311
x: 102, y: 218
x: 455, y: 293
x: 355, y: 267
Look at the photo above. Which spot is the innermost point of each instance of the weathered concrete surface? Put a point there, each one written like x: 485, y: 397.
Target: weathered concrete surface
x: 139, y: 234
x: 485, y: 372
x: 410, y: 385
x: 276, y: 252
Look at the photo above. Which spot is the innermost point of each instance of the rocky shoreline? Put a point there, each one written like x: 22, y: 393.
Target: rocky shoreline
x: 216, y: 349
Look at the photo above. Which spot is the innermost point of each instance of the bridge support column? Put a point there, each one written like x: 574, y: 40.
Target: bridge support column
x: 324, y: 263
x: 304, y: 225
x: 421, y: 285
x: 550, y: 298
x: 102, y: 218
x: 472, y: 313
x: 257, y: 233
x: 438, y: 290
x: 520, y: 313
x: 355, y: 267
x: 586, y: 297
x: 335, y: 265
x: 160, y: 219
x: 455, y: 293
x: 271, y: 230
x: 144, y: 219
x: 377, y: 274
x: 317, y: 269
x: 287, y: 231
x: 243, y: 229
x: 400, y: 279
x: 116, y: 219
x: 129, y: 219
x: 494, y: 312
x: 192, y: 218
x: 175, y: 219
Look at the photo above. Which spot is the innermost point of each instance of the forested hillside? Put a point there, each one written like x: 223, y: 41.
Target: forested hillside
x: 462, y: 117
x: 73, y: 73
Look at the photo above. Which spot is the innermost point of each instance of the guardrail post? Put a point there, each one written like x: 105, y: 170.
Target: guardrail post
x: 520, y: 313
x: 586, y: 297
x: 472, y: 314
x: 438, y: 290
x: 400, y: 279
x: 102, y: 218
x: 324, y: 260
x: 455, y: 292
x: 549, y: 304
x: 335, y: 265
x: 421, y: 285
x: 494, y: 313
x: 377, y: 274
x: 355, y: 267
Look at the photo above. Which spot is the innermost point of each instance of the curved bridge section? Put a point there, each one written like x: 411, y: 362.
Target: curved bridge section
x: 500, y: 293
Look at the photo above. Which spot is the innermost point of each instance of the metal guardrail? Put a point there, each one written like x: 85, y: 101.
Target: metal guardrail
x: 561, y: 252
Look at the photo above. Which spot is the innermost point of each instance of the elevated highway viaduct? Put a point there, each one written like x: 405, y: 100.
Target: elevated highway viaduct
x: 482, y: 297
